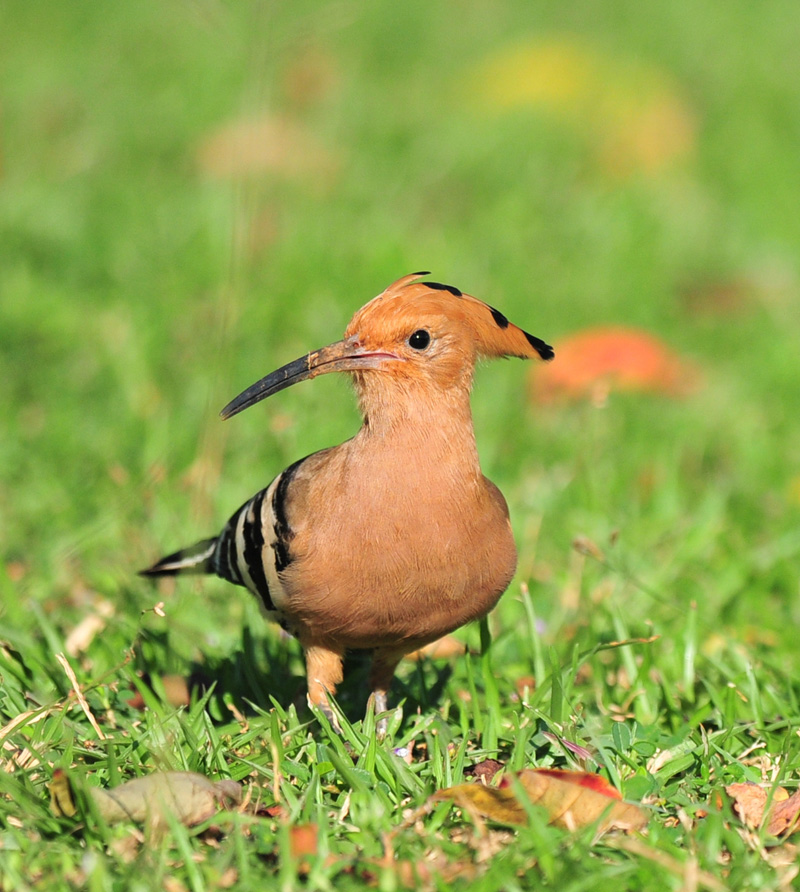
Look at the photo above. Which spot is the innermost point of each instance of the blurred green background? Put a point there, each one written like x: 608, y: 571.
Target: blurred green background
x: 193, y: 193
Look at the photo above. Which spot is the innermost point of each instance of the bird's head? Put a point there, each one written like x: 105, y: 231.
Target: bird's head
x: 414, y: 335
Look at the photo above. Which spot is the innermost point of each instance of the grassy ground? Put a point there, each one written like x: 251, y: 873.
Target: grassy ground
x: 149, y: 271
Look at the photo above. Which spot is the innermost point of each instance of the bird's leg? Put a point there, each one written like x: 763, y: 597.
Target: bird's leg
x: 324, y: 672
x: 384, y: 663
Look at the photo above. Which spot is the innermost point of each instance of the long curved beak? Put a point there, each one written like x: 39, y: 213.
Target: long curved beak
x: 343, y: 356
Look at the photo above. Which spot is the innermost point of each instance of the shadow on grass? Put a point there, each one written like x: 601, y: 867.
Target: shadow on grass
x: 266, y: 668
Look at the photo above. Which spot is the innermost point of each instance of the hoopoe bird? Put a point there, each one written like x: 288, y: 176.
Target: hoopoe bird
x: 394, y: 538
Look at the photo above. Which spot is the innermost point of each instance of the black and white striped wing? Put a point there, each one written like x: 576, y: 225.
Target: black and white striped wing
x: 255, y: 545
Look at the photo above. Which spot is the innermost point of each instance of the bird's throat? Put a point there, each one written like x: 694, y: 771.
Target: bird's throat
x: 419, y: 435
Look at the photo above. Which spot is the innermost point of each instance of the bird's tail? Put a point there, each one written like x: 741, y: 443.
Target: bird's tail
x: 197, y: 558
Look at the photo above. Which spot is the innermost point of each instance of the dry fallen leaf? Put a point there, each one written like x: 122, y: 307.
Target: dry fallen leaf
x: 484, y: 771
x: 783, y: 816
x: 595, y: 361
x: 750, y: 801
x: 571, y: 799
x: 191, y: 797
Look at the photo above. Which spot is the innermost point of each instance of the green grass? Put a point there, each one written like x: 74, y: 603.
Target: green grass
x: 139, y: 293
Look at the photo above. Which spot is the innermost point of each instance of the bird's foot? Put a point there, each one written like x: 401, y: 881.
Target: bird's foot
x: 380, y: 704
x: 328, y: 711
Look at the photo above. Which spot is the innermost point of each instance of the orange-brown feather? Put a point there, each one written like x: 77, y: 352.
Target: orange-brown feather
x: 407, y: 540
x: 396, y: 537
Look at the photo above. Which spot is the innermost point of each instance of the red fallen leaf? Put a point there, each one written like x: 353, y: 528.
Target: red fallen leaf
x: 595, y: 361
x: 571, y: 799
x: 581, y: 778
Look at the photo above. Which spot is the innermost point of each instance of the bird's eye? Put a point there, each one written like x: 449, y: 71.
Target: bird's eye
x: 419, y: 340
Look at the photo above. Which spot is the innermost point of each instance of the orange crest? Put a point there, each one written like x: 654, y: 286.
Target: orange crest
x: 474, y: 327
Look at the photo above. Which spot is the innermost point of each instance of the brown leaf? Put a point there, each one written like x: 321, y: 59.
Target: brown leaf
x: 595, y: 361
x: 783, y: 816
x: 191, y: 797
x: 571, y: 799
x: 484, y: 771
x: 750, y: 802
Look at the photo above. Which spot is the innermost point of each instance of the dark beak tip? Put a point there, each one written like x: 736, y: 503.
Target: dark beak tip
x: 230, y: 410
